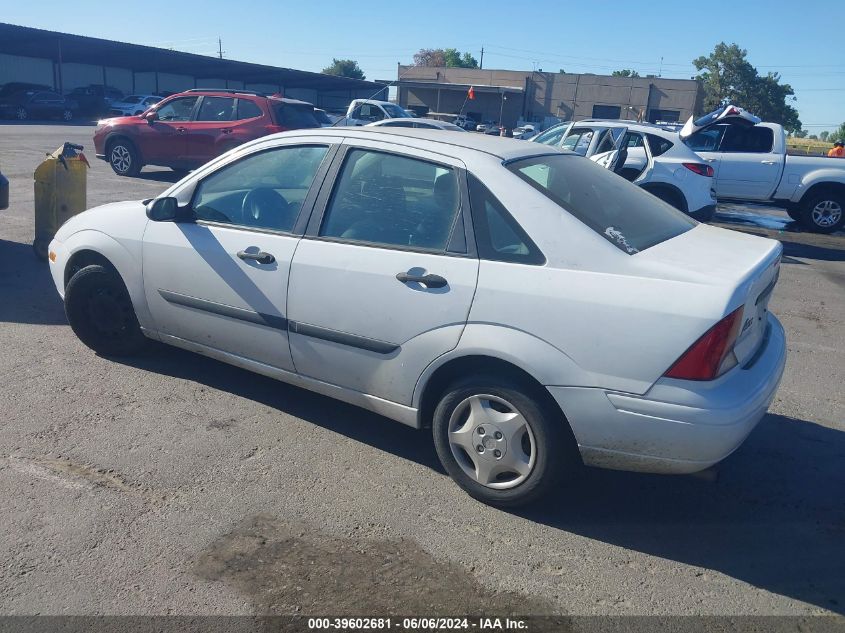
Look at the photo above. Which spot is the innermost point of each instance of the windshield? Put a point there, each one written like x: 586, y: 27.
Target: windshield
x: 625, y: 215
x: 395, y: 112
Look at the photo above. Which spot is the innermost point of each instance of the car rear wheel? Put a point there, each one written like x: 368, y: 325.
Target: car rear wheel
x: 501, y: 442
x: 794, y: 213
x: 21, y: 114
x: 823, y: 213
x: 669, y: 197
x: 100, y: 312
x: 123, y: 158
x: 67, y: 115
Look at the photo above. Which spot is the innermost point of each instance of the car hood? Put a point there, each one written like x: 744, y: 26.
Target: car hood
x: 115, y: 219
x: 730, y: 114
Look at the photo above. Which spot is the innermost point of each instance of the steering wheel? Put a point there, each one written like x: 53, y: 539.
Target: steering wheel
x: 265, y: 207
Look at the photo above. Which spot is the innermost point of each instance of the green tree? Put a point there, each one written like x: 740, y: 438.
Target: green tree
x: 449, y: 57
x: 838, y: 134
x: 800, y: 134
x: 344, y: 68
x: 625, y: 72
x: 823, y: 136
x: 728, y: 77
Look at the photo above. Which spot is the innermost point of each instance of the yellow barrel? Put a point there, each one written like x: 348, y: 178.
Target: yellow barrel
x: 60, y: 192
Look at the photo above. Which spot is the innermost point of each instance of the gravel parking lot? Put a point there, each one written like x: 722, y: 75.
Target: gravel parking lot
x: 176, y: 484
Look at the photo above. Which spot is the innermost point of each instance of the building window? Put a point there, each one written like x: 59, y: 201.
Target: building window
x: 607, y: 112
x: 664, y: 116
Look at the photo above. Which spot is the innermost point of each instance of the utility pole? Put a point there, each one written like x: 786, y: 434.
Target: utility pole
x: 481, y: 63
x: 220, y: 48
x: 660, y: 70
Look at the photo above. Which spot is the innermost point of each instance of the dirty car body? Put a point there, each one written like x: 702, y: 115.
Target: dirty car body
x: 442, y: 279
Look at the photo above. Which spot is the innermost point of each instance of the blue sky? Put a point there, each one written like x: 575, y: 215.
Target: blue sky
x: 801, y: 40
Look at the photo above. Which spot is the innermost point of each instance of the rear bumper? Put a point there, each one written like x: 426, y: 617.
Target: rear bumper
x: 704, y: 214
x: 678, y: 426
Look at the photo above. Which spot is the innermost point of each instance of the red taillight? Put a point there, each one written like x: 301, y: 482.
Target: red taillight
x: 704, y: 359
x: 700, y: 168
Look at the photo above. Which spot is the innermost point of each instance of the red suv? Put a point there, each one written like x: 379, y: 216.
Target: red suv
x: 190, y: 128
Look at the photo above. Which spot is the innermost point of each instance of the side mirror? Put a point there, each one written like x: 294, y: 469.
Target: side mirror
x: 168, y: 210
x: 151, y: 116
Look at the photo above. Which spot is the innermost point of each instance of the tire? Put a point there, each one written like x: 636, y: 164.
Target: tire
x: 21, y: 114
x: 124, y: 158
x: 537, y: 441
x: 669, y: 197
x: 67, y: 115
x: 100, y: 312
x: 823, y: 212
x: 794, y: 213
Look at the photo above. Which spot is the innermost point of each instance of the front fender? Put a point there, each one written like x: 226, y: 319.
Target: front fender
x: 126, y: 262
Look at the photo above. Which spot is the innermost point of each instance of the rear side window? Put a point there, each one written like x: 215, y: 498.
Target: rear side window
x: 622, y: 213
x: 658, y: 145
x: 248, y: 110
x: 216, y: 109
x: 747, y: 139
x: 497, y: 234
x: 295, y: 116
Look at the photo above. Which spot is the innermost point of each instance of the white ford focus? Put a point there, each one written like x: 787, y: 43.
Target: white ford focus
x: 535, y: 310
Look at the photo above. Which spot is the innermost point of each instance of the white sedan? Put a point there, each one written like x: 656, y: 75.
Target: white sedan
x: 133, y: 105
x: 534, y: 310
x: 419, y: 123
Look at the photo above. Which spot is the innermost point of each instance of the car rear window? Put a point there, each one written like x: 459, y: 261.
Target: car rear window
x: 295, y: 116
x: 625, y: 215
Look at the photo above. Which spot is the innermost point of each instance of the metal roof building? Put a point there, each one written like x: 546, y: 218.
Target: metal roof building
x: 66, y: 61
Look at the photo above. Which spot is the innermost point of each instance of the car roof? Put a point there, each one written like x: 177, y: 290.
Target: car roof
x: 651, y: 128
x: 441, y: 141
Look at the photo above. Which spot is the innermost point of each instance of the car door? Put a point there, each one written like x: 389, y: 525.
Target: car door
x: 47, y: 104
x: 164, y: 141
x: 747, y: 166
x: 213, y: 123
x: 220, y: 282
x: 383, y: 280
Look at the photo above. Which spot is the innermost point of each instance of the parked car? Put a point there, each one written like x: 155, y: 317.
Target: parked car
x: 37, y: 104
x: 751, y: 165
x: 95, y: 99
x: 524, y: 131
x: 190, y: 128
x: 4, y: 192
x: 465, y: 122
x: 488, y: 127
x: 364, y: 111
x: 13, y: 87
x: 648, y: 156
x: 534, y: 309
x: 419, y: 123
x: 133, y: 105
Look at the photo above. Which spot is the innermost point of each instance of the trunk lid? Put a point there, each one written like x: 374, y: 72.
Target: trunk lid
x: 744, y: 268
x: 732, y: 115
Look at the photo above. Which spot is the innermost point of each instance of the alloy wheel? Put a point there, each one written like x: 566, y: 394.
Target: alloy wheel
x: 827, y: 213
x: 121, y: 159
x: 21, y: 114
x: 492, y: 441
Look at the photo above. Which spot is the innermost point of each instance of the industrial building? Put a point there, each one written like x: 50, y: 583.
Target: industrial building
x: 66, y: 61
x: 543, y: 97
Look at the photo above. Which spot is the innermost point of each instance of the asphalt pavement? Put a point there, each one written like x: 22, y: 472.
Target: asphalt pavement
x: 174, y: 484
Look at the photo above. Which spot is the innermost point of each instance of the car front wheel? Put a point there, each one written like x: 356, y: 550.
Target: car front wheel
x: 67, y: 115
x: 21, y: 114
x: 501, y: 442
x: 823, y: 213
x: 124, y: 159
x: 100, y: 312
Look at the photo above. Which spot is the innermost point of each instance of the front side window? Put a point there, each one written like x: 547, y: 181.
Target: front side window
x: 216, y: 109
x: 395, y: 112
x: 392, y: 200
x: 264, y: 190
x: 625, y: 215
x: 177, y: 110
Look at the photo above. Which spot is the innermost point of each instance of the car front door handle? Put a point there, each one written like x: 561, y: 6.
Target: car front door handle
x: 429, y: 281
x: 768, y: 162
x: 261, y: 257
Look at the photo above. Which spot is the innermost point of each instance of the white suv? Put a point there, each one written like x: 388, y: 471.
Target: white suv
x: 532, y: 308
x: 650, y: 156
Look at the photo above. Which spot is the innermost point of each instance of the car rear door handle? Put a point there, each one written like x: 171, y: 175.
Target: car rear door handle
x: 261, y: 257
x: 429, y: 281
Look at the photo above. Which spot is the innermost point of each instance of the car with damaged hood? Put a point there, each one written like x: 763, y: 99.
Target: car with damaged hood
x: 751, y: 164
x: 647, y: 155
x: 528, y: 308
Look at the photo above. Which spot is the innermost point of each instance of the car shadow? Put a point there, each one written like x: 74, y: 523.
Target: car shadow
x: 775, y: 517
x: 26, y: 287
x: 160, y: 175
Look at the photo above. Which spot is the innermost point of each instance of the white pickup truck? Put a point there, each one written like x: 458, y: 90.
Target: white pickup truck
x: 365, y: 111
x: 751, y: 165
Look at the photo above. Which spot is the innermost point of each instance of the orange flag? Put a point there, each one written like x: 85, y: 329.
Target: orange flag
x: 471, y: 93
